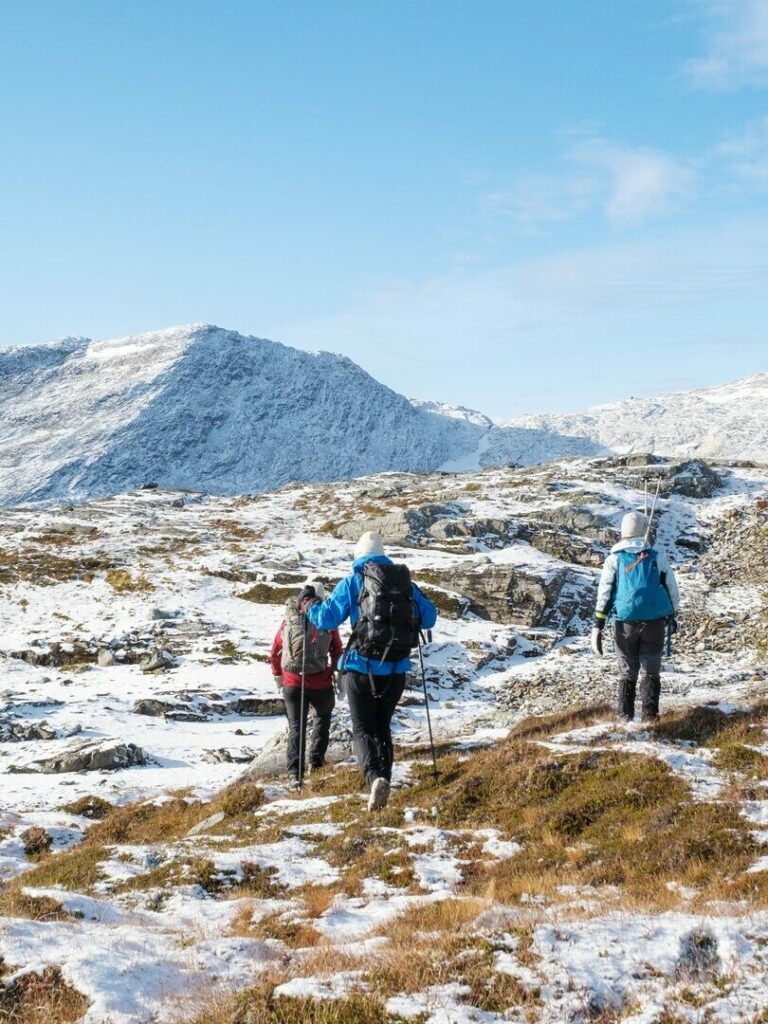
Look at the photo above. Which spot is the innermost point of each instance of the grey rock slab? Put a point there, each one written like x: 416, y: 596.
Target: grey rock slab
x: 263, y: 706
x: 91, y: 756
x: 210, y: 822
x: 271, y: 760
x: 157, y: 661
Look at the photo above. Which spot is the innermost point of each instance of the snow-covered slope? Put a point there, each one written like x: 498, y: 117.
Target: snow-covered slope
x: 202, y: 408
x: 729, y: 422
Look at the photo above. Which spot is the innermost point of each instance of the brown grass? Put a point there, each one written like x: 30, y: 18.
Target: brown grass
x: 562, y: 721
x: 43, y: 998
x: 44, y: 567
x: 90, y: 807
x: 36, y: 841
x: 287, y: 927
x: 122, y: 582
x: 14, y: 903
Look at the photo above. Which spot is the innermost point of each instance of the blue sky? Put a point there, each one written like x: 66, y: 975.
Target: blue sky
x: 517, y: 205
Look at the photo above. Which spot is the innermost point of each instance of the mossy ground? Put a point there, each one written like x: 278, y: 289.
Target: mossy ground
x: 598, y: 818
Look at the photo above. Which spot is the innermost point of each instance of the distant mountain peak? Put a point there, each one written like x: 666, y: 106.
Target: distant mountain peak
x: 201, y: 407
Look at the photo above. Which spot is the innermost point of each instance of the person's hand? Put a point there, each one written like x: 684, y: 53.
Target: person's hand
x: 278, y: 684
x: 673, y: 626
x: 596, y: 640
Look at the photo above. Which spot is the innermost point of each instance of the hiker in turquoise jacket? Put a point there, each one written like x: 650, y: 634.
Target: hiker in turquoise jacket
x: 373, y: 685
x: 638, y: 586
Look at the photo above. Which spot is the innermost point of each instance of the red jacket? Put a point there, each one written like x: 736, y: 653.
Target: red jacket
x: 318, y: 680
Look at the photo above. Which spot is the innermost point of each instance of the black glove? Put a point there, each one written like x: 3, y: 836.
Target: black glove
x: 673, y: 626
x: 596, y: 640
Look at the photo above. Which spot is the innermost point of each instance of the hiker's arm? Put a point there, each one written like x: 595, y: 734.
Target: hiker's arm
x: 334, y: 610
x: 275, y: 655
x: 668, y: 581
x: 427, y: 611
x: 605, y: 590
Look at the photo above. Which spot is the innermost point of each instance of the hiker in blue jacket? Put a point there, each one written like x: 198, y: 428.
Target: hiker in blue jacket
x: 637, y: 584
x: 386, y: 611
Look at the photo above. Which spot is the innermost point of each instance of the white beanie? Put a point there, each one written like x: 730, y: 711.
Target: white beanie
x: 634, y: 524
x: 318, y: 587
x: 370, y: 543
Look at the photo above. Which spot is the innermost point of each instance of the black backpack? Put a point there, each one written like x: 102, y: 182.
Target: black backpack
x: 388, y: 626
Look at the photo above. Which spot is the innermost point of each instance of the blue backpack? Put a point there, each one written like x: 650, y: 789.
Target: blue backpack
x: 640, y: 595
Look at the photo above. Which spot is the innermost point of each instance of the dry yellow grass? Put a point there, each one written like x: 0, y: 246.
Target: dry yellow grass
x: 43, y: 998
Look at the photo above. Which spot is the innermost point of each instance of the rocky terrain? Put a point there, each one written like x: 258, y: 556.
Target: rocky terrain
x: 140, y: 738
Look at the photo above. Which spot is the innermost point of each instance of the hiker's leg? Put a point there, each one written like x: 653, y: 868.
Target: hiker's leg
x: 651, y: 653
x: 322, y: 705
x: 628, y: 656
x: 362, y: 708
x: 391, y: 691
x: 292, y: 699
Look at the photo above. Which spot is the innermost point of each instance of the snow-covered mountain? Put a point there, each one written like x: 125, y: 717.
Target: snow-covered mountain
x: 202, y: 408
x: 729, y: 421
x: 208, y: 409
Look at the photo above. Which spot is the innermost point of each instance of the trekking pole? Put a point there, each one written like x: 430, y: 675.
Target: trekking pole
x: 426, y: 705
x: 653, y: 509
x: 645, y: 503
x: 302, y: 705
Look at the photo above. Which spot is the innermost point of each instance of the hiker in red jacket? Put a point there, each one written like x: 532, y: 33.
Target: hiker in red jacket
x: 298, y: 647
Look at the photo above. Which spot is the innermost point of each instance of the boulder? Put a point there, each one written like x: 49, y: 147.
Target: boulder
x: 158, y: 661
x: 262, y: 706
x: 270, y: 762
x: 152, y: 707
x: 224, y: 755
x: 105, y: 658
x: 210, y: 822
x: 694, y: 479
x: 91, y: 756
x: 566, y: 546
x: 403, y: 526
x: 158, y: 615
x: 508, y: 594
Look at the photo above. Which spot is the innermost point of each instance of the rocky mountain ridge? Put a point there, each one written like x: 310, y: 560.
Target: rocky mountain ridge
x: 729, y: 421
x: 205, y: 409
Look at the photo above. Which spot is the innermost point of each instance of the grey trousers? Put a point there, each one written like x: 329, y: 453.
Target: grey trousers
x: 640, y: 645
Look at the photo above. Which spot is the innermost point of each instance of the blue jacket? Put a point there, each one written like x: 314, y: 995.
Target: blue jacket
x: 342, y: 605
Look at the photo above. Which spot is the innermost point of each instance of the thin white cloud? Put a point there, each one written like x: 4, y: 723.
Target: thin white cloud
x: 535, y: 200
x: 643, y: 182
x: 628, y: 184
x: 745, y: 154
x: 736, y: 45
x: 469, y: 333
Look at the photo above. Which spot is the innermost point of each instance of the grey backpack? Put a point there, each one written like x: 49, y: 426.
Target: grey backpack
x: 294, y: 637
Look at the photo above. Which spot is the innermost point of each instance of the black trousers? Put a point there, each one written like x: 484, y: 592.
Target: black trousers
x: 372, y: 702
x: 321, y: 704
x: 640, y: 645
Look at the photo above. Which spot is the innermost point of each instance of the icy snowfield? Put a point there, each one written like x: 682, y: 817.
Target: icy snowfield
x: 89, y: 594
